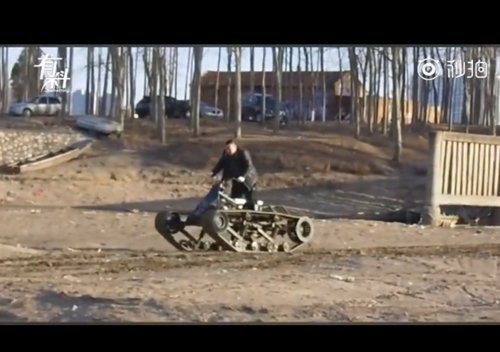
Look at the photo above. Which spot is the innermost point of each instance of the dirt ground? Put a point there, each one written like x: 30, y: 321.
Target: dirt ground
x: 77, y: 242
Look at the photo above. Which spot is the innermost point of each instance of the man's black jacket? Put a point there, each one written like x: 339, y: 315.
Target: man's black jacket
x: 236, y: 165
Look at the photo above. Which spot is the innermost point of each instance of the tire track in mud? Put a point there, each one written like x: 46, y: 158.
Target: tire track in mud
x: 87, y: 262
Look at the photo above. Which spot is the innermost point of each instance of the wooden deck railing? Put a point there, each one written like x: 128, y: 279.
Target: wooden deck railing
x: 464, y: 170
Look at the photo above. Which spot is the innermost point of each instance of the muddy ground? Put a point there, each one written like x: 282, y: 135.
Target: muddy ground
x: 77, y: 242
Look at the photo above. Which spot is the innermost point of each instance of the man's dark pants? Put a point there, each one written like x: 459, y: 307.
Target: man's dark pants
x: 241, y: 190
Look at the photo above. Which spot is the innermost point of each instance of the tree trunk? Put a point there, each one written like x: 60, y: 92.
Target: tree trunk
x: 104, y: 102
x: 188, y: 73
x: 237, y: 100
x: 145, y: 59
x: 308, y: 70
x: 176, y: 69
x: 229, y: 83
x: 371, y: 90
x: 217, y: 80
x: 378, y: 86
x: 302, y: 120
x: 3, y: 87
x: 396, y: 99
x: 92, y: 83
x: 87, y: 87
x: 278, y: 54
x: 386, y: 93
x: 354, y: 91
x: 323, y: 79
x: 196, y: 90
x: 161, y: 70
x: 363, y: 100
x: 263, y: 106
x: 341, y: 94
x: 131, y: 80
x: 415, y: 113
x: 402, y: 86
x: 252, y: 68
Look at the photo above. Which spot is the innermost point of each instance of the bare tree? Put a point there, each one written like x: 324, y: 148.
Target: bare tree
x: 118, y: 63
x: 69, y: 106
x: 196, y: 90
x: 145, y: 60
x: 396, y: 100
x: 378, y: 85
x: 252, y: 68
x: 92, y: 84
x: 416, y: 88
x: 364, y: 72
x: 188, y: 72
x: 385, y: 104
x: 402, y: 86
x: 229, y: 83
x: 323, y: 78
x: 175, y: 62
x: 341, y: 95
x: 104, y: 101
x: 5, y: 79
x: 354, y: 90
x: 278, y: 54
x: 217, y: 79
x: 263, y: 82
x: 132, y: 79
x: 161, y: 81
x: 87, y: 86
x: 302, y: 118
x: 237, y: 102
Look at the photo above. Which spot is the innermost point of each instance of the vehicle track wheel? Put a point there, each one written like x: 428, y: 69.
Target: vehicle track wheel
x: 186, y: 245
x: 253, y: 246
x: 215, y: 222
x: 303, y: 230
x: 204, y: 246
x: 168, y: 222
x: 271, y: 247
x: 285, y: 247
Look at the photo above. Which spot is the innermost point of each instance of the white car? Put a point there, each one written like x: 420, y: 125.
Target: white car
x: 41, y: 106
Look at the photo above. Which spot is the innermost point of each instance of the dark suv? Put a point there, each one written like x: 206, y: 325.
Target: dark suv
x: 251, y: 108
x: 173, y: 108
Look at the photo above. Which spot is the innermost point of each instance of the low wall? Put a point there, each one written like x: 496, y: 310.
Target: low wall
x: 17, y: 145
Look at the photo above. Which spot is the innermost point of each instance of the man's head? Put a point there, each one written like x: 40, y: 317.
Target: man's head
x: 231, y: 147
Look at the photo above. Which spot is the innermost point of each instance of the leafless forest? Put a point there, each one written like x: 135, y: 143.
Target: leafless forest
x: 387, y: 75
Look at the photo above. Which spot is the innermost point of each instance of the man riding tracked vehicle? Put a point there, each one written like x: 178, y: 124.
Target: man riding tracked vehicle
x: 237, y: 167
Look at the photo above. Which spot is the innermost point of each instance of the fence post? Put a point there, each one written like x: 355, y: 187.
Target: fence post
x: 431, y: 211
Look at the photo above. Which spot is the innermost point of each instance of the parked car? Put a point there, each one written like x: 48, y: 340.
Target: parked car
x: 173, y: 108
x: 210, y: 111
x: 251, y: 109
x: 40, y: 106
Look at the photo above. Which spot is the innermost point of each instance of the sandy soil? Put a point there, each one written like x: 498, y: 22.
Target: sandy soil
x: 77, y: 242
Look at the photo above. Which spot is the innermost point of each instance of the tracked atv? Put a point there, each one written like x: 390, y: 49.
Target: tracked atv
x: 234, y: 225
